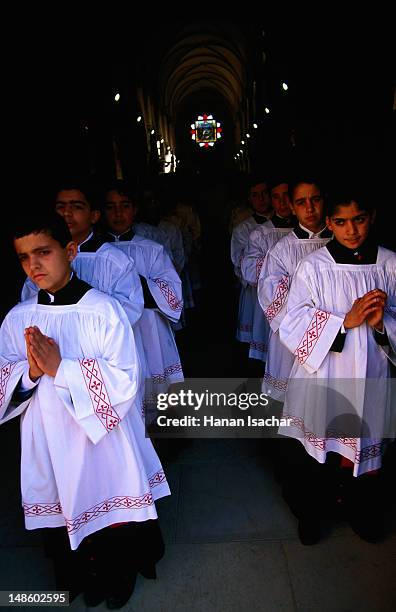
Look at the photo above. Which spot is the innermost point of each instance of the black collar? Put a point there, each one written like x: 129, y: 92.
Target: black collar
x: 69, y: 294
x: 302, y: 234
x: 93, y: 244
x: 284, y: 221
x: 367, y: 253
x: 128, y: 235
x: 259, y: 218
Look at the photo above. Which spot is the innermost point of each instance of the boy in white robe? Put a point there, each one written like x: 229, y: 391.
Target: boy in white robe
x: 340, y: 328
x: 76, y: 203
x: 69, y: 367
x: 311, y: 233
x: 260, y: 241
x: 161, y: 287
x: 259, y: 200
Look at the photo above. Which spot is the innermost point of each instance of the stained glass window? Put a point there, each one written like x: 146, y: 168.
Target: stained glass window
x: 206, y: 131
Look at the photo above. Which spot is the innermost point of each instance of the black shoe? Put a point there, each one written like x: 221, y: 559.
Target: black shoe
x: 121, y: 593
x: 148, y: 572
x: 93, y: 591
x: 369, y: 529
x: 309, y: 531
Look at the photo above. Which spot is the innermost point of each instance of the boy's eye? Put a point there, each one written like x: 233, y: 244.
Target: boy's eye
x: 44, y: 252
x: 316, y: 199
x: 338, y: 222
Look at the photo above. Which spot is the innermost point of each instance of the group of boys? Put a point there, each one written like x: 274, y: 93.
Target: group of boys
x: 318, y: 306
x: 82, y: 356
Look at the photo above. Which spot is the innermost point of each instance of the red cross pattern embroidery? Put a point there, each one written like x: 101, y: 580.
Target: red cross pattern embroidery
x: 259, y: 265
x: 279, y: 300
x: 98, y: 394
x: 369, y: 452
x: 311, y: 336
x: 40, y: 509
x: 157, y: 479
x: 172, y: 369
x: 5, y: 373
x: 108, y: 505
x: 169, y: 294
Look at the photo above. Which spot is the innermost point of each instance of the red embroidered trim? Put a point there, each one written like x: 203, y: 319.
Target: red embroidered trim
x: 98, y: 394
x: 114, y: 503
x: 5, y: 374
x: 172, y: 369
x: 42, y: 509
x: 157, y: 479
x: 259, y: 265
x: 369, y: 452
x: 169, y: 294
x: 279, y: 300
x: 311, y: 336
x: 277, y: 383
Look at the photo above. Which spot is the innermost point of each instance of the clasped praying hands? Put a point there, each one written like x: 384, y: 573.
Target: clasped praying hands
x: 42, y: 353
x: 369, y: 308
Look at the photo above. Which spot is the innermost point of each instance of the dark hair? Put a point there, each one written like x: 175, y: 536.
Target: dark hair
x: 310, y: 179
x: 255, y: 179
x: 344, y: 196
x: 86, y: 186
x: 49, y: 223
x: 123, y: 188
x: 277, y: 180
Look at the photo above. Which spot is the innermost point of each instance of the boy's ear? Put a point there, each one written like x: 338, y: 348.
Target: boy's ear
x: 95, y: 216
x: 71, y: 250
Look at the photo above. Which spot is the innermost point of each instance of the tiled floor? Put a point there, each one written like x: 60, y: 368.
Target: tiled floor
x: 231, y: 542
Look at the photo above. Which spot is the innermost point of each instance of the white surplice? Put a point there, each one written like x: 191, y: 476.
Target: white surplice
x: 272, y: 290
x: 86, y: 463
x: 247, y: 297
x: 325, y: 385
x: 114, y: 273
x: 260, y: 241
x: 154, y: 264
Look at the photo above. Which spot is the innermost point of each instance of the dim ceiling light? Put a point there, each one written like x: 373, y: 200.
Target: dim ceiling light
x: 285, y: 86
x: 162, y: 140
x: 255, y: 126
x: 139, y: 118
x: 117, y: 97
x: 267, y: 110
x: 247, y: 135
x: 152, y: 132
x: 242, y: 142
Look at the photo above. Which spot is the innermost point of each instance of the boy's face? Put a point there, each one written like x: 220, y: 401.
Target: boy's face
x: 308, y: 206
x: 45, y: 261
x: 259, y: 198
x: 350, y: 225
x: 73, y: 206
x: 120, y: 212
x: 280, y: 200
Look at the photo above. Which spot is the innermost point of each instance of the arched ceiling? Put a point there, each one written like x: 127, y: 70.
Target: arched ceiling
x: 212, y: 61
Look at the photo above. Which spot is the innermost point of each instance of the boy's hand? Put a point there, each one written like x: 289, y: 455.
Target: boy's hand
x: 376, y: 318
x: 44, y: 351
x: 34, y: 371
x: 368, y: 308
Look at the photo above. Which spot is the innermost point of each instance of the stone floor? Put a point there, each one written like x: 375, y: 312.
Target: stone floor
x: 231, y: 542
